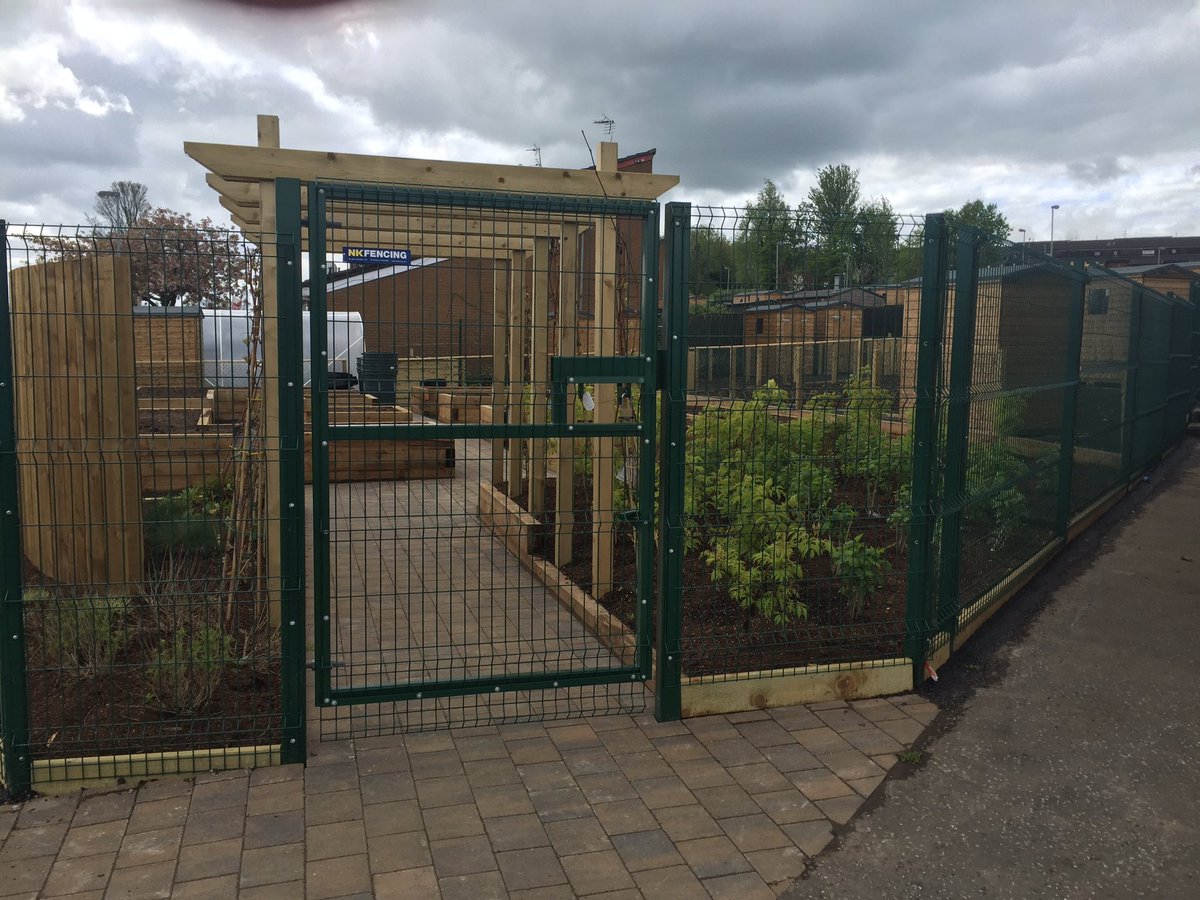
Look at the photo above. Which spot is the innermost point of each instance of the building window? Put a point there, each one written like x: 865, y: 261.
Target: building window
x: 758, y: 326
x: 1097, y: 301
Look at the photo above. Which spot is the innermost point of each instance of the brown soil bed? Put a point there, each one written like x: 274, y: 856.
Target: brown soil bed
x: 108, y: 711
x: 167, y: 421
x: 720, y: 637
x: 172, y: 391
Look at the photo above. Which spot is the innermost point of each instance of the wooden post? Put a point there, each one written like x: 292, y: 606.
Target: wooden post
x: 268, y: 136
x: 568, y: 300
x: 517, y: 304
x: 539, y: 369
x: 500, y: 285
x: 605, y: 394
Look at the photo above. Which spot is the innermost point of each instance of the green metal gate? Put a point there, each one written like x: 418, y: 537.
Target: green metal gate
x: 496, y: 452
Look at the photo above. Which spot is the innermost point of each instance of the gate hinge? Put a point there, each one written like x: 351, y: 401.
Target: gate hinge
x: 333, y: 664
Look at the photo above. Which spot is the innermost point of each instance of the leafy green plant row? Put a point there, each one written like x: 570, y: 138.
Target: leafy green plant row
x: 764, y: 493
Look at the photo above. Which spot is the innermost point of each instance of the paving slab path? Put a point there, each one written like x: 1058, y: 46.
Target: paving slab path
x: 614, y: 806
x: 1070, y: 764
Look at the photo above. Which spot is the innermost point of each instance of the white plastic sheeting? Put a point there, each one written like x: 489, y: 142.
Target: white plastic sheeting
x: 225, y: 339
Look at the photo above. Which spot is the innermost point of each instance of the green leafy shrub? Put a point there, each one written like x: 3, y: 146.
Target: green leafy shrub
x: 765, y: 580
x: 861, y: 569
x: 83, y: 635
x: 993, y: 472
x: 185, y: 670
x: 900, y: 517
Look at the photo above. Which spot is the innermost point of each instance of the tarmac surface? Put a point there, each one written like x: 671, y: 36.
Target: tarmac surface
x: 1064, y: 761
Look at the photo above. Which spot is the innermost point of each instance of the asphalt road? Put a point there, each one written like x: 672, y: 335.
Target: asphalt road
x: 1066, y: 760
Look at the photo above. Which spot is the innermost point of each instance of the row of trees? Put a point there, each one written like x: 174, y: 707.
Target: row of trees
x: 834, y: 236
x: 175, y: 260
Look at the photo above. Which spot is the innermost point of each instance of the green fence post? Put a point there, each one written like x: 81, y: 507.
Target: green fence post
x: 669, y: 617
x: 14, y: 707
x: 958, y: 426
x: 1130, y: 413
x: 918, y: 606
x: 291, y: 467
x: 1066, y: 461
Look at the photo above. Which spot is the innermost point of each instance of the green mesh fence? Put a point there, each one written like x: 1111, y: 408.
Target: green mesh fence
x: 797, y: 457
x: 142, y: 604
x: 891, y: 423
x: 1046, y: 388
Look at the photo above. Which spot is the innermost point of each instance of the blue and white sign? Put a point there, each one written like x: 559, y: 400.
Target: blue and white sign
x: 376, y: 256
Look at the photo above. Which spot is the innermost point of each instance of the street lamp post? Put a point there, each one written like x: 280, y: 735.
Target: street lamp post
x: 1053, y: 207
x: 777, y: 243
x: 1022, y: 230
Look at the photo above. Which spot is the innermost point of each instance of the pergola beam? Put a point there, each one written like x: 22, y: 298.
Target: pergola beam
x: 234, y: 162
x: 385, y: 220
x: 417, y: 243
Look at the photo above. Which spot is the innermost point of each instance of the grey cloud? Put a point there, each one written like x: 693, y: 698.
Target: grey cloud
x: 729, y: 93
x: 1099, y: 171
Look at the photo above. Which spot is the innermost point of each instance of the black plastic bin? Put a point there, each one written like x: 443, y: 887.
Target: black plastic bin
x: 377, y: 376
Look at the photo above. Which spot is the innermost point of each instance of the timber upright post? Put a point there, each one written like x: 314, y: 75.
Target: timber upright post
x: 517, y: 305
x: 605, y: 328
x: 500, y: 385
x: 568, y: 299
x: 669, y: 617
x: 539, y: 370
x: 268, y: 137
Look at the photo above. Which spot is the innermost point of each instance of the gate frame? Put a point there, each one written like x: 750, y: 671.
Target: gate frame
x: 640, y: 369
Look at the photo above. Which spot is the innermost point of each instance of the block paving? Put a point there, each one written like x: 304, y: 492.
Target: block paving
x: 615, y: 807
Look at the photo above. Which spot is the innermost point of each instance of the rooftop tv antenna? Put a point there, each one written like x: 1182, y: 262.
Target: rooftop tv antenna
x: 605, y: 122
x: 537, y: 155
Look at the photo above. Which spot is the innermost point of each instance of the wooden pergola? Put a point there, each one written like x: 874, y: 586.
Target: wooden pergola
x: 244, y: 178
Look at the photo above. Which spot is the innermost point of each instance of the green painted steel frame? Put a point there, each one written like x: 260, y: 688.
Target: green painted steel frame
x: 919, y: 614
x: 958, y: 415
x: 641, y: 370
x: 14, y: 709
x: 668, y: 637
x: 289, y: 325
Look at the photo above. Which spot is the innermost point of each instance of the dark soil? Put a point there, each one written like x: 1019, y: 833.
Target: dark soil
x: 163, y: 421
x: 718, y: 635
x: 164, y: 391
x: 108, y: 712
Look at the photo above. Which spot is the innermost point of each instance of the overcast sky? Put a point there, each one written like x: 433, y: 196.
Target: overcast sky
x: 1093, y: 106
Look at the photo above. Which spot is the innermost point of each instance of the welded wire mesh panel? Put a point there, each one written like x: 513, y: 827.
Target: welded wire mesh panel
x: 1025, y: 324
x: 475, y: 546
x: 1107, y: 368
x: 801, y: 377
x: 145, y: 505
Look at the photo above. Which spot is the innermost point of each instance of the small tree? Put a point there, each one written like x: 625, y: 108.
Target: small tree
x: 123, y: 205
x: 174, y: 260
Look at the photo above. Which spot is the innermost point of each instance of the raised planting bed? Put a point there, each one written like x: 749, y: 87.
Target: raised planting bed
x: 795, y: 564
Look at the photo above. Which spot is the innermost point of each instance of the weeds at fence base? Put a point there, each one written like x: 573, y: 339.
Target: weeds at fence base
x: 170, y: 668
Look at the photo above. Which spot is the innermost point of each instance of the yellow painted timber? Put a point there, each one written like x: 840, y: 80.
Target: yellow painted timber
x: 788, y: 687
x: 65, y: 776
x: 240, y: 163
